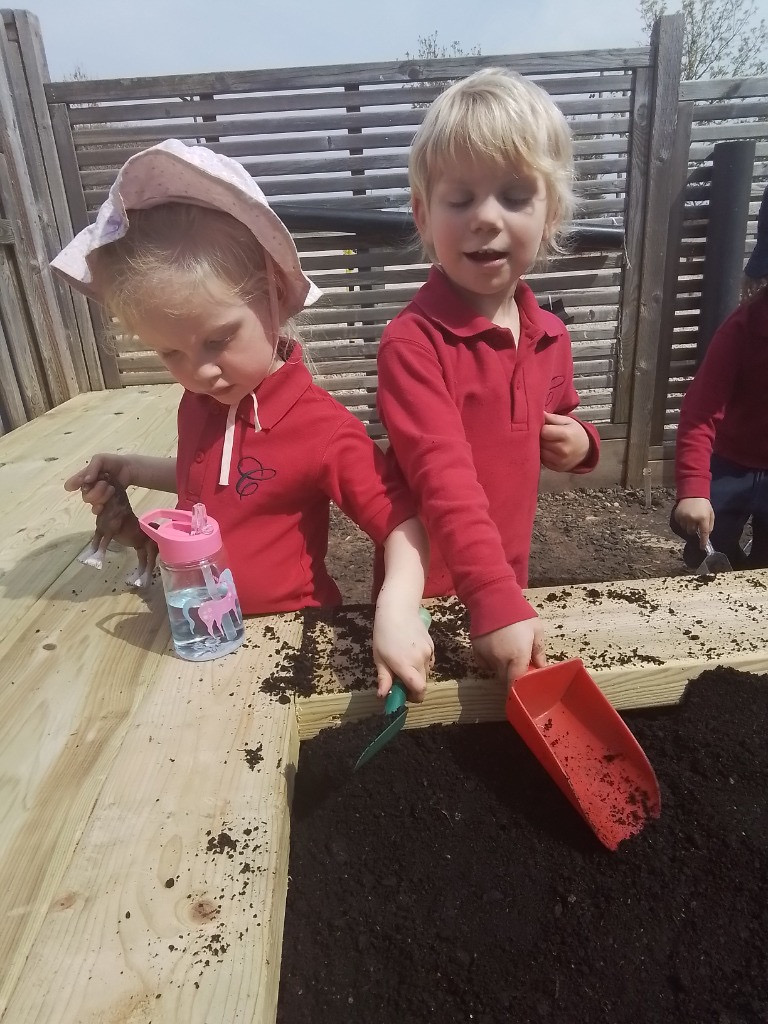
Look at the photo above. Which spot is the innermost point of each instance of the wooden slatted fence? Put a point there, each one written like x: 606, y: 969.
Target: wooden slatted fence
x: 336, y: 139
x: 333, y: 140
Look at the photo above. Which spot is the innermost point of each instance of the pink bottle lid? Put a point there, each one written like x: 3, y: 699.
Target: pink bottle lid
x: 181, y: 536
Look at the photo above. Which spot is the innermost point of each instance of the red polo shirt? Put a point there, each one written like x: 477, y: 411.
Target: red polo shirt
x: 724, y: 407
x: 464, y: 407
x: 273, y: 514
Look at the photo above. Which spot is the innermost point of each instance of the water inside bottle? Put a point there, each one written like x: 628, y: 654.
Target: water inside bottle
x: 204, y: 626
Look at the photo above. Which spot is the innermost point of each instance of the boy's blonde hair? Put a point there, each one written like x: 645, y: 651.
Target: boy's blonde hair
x: 498, y: 115
x: 175, y: 253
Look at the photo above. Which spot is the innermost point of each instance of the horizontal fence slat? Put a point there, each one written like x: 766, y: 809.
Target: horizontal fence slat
x: 383, y: 314
x: 321, y: 122
x: 611, y: 171
x: 222, y: 107
x: 705, y: 112
x: 350, y: 383
x: 588, y: 208
x: 327, y: 76
x: 338, y: 299
x: 721, y: 133
x: 302, y: 188
x: 723, y: 88
x: 353, y: 260
x: 101, y: 155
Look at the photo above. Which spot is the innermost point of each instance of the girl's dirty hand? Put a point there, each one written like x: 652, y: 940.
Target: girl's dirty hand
x: 509, y: 651
x: 97, y: 492
x: 402, y: 649
x: 696, y: 515
x: 563, y: 442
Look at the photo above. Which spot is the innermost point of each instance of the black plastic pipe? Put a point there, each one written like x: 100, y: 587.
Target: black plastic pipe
x: 397, y: 227
x: 732, y: 168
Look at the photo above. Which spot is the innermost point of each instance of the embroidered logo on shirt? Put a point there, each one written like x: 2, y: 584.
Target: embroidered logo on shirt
x: 252, y: 473
x: 554, y: 386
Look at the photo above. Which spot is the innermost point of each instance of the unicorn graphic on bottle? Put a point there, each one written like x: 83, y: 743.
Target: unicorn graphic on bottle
x: 211, y: 613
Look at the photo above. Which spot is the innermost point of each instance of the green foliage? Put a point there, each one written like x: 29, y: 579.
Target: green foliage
x: 429, y: 49
x: 723, y: 38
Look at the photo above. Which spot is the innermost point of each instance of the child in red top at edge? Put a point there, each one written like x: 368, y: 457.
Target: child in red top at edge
x: 187, y: 253
x: 721, y: 454
x: 475, y: 381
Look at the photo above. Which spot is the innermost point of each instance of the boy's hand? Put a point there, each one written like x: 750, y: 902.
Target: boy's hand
x: 511, y: 650
x: 402, y: 649
x: 97, y: 492
x: 696, y: 515
x: 563, y: 441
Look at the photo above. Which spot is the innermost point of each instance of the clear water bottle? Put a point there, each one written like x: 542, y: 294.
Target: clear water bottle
x: 204, y: 612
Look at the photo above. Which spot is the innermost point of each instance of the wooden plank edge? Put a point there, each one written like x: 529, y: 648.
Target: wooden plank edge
x: 481, y: 700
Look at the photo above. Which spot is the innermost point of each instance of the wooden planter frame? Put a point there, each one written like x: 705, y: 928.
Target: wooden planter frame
x: 151, y: 782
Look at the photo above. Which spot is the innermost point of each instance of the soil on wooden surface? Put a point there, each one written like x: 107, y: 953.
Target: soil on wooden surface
x: 450, y: 881
x: 588, y: 536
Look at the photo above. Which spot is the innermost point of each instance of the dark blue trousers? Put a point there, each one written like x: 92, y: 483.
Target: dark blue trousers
x: 738, y: 494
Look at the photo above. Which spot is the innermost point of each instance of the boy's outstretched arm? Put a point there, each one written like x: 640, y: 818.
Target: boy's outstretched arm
x: 130, y: 470
x: 402, y: 647
x: 354, y: 474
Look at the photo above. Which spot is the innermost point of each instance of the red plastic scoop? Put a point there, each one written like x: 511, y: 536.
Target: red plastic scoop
x: 578, y: 736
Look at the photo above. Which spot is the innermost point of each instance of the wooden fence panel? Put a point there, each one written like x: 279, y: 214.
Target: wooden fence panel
x: 337, y: 138
x: 721, y: 110
x: 42, y: 359
x: 30, y: 72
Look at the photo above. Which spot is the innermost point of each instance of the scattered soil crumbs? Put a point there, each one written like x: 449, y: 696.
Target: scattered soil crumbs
x: 253, y: 756
x: 336, y: 647
x: 450, y: 881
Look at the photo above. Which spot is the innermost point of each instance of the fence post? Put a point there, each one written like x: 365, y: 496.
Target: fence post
x: 678, y: 172
x: 50, y: 334
x: 667, y: 46
x: 28, y: 82
x: 732, y: 167
x: 78, y: 211
x: 635, y: 226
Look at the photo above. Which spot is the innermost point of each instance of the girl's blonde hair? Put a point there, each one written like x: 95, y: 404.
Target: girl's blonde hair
x: 175, y: 253
x: 499, y: 116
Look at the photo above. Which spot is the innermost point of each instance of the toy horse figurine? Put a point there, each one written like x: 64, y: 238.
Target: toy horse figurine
x: 117, y: 522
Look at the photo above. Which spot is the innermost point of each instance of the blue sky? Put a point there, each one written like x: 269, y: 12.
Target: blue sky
x: 107, y: 39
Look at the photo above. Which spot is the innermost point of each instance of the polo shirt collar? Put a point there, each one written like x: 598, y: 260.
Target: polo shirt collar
x: 279, y: 392
x: 443, y: 304
x: 267, y: 404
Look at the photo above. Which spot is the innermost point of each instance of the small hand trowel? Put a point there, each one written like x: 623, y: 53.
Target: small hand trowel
x: 714, y: 562
x: 395, y: 710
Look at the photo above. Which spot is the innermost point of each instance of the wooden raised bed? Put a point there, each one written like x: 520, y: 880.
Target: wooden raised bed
x: 135, y: 788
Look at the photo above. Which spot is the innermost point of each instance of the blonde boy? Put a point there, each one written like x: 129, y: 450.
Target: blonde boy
x: 475, y: 380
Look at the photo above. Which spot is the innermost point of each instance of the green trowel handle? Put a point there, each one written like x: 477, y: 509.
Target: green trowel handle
x: 398, y: 695
x: 396, y: 698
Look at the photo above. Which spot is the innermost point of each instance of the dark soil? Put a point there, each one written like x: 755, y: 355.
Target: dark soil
x: 587, y: 536
x: 450, y: 881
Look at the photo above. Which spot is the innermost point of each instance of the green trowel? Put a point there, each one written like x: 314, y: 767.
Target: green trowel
x: 395, y: 710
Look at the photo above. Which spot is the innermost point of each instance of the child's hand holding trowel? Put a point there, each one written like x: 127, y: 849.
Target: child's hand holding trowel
x: 695, y: 516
